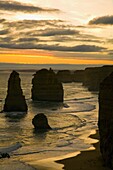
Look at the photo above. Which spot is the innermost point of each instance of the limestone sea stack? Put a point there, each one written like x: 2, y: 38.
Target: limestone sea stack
x: 64, y: 76
x: 46, y: 86
x: 105, y: 122
x: 15, y: 100
x: 40, y: 122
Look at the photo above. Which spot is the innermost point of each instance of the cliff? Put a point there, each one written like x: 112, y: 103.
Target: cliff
x: 95, y: 75
x: 105, y: 120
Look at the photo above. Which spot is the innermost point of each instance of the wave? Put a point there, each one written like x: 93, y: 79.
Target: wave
x: 77, y: 107
x: 11, y: 148
x: 80, y: 98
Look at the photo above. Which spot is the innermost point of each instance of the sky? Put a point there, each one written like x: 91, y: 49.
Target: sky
x: 56, y: 32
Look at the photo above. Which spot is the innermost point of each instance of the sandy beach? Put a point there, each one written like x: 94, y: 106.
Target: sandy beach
x: 86, y: 160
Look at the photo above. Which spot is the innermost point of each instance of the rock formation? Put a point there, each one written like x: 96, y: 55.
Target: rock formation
x: 65, y: 76
x: 15, y: 101
x: 105, y: 122
x: 40, y: 122
x: 93, y: 76
x: 78, y: 76
x: 46, y: 86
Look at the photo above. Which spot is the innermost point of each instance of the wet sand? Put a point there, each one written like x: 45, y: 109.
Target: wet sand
x: 86, y: 160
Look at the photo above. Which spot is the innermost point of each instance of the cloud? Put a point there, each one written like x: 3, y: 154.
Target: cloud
x: 27, y: 39
x: 104, y: 20
x: 78, y: 48
x: 3, y: 32
x: 79, y: 38
x: 2, y: 20
x: 110, y: 40
x: 110, y: 52
x: 23, y: 7
x: 30, y: 24
x: 6, y: 39
x: 53, y: 35
x: 44, y: 28
x: 54, y: 32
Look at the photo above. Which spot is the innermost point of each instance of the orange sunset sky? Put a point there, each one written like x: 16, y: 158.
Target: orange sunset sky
x: 55, y: 32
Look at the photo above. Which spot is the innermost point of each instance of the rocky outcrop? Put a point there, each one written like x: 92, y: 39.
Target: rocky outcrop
x: 93, y: 76
x: 46, y: 86
x: 105, y: 122
x: 15, y: 101
x: 65, y: 76
x: 40, y: 122
x: 78, y: 76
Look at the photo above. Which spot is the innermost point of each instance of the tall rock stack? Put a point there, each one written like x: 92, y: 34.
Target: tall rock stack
x: 105, y: 121
x: 15, y: 101
x: 46, y: 86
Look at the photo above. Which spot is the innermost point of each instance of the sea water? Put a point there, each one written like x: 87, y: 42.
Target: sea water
x: 71, y: 121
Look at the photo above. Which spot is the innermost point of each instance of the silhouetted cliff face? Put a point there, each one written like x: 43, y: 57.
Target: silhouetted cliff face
x: 105, y: 122
x: 94, y: 76
x: 78, y: 76
x: 65, y: 76
x: 90, y: 77
x: 15, y: 101
x: 46, y: 86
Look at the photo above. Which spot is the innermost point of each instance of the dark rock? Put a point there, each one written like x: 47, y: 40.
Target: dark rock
x: 46, y: 86
x: 105, y: 122
x: 4, y: 155
x: 78, y: 76
x: 15, y: 101
x: 93, y: 76
x: 65, y: 76
x: 40, y: 122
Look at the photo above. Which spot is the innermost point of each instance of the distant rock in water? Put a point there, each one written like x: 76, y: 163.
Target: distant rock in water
x: 40, y: 122
x: 105, y: 122
x: 93, y: 76
x: 46, y: 86
x: 78, y: 76
x: 15, y: 101
x: 64, y: 76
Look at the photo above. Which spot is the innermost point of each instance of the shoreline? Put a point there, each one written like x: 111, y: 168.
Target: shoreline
x: 53, y: 163
x: 86, y: 160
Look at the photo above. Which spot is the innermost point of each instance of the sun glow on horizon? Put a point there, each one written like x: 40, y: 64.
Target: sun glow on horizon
x: 69, y: 32
x: 42, y: 58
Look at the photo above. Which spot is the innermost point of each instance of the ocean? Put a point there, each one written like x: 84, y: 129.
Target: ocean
x: 72, y: 121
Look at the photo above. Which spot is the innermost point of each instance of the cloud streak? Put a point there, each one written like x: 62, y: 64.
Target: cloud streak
x: 78, y: 48
x: 55, y: 35
x: 55, y: 32
x: 22, y: 7
x: 4, y: 32
x: 104, y: 20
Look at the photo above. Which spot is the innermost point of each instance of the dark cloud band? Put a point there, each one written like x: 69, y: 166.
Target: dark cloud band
x: 79, y: 48
x: 55, y: 32
x: 22, y: 7
x: 104, y: 20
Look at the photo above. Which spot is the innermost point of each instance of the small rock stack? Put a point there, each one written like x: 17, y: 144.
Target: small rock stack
x: 46, y: 86
x: 105, y: 121
x: 40, y: 122
x: 15, y: 101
